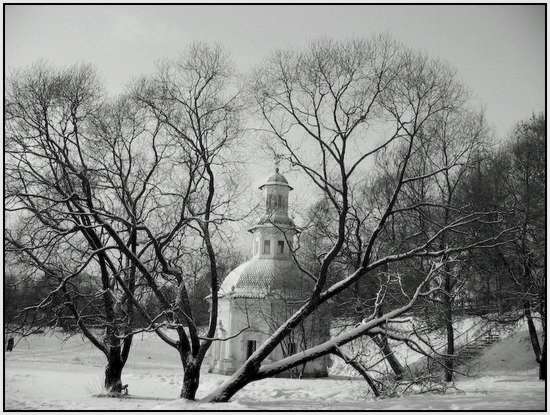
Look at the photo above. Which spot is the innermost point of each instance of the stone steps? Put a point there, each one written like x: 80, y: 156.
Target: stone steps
x: 474, y: 349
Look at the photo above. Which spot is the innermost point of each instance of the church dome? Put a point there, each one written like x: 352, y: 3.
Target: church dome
x: 265, y: 277
x: 276, y: 179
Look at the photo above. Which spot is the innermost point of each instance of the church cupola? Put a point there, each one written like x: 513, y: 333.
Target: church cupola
x: 276, y: 191
x: 275, y: 229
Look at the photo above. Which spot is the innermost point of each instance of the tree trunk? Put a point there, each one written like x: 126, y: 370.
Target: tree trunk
x: 499, y: 295
x: 542, y: 311
x: 384, y: 346
x: 241, y: 378
x: 113, y: 372
x: 540, y: 354
x: 449, y: 360
x: 542, y: 364
x: 191, y: 379
x: 532, y: 330
x: 359, y: 368
x: 229, y: 388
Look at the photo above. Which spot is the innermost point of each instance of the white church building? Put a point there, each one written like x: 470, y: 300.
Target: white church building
x: 264, y: 291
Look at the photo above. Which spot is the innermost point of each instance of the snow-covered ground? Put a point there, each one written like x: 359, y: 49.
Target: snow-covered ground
x: 46, y: 372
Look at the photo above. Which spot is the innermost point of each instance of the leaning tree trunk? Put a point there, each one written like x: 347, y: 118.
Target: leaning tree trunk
x: 242, y: 377
x: 359, y: 368
x: 384, y: 346
x: 228, y: 392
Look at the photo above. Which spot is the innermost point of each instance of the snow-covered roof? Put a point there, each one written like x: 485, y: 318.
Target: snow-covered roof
x: 263, y: 277
x: 278, y: 219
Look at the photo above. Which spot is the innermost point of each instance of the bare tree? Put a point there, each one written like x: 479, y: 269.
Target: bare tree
x: 193, y: 101
x: 49, y: 178
x: 321, y: 106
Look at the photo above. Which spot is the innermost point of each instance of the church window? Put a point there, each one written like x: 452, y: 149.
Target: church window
x: 280, y: 201
x: 267, y: 246
x: 250, y: 348
x: 281, y: 245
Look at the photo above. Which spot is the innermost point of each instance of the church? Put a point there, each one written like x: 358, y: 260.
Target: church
x: 260, y: 294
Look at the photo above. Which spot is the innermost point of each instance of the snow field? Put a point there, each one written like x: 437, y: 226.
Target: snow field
x: 49, y: 372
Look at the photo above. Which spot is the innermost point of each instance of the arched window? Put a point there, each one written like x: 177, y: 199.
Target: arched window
x: 281, y: 246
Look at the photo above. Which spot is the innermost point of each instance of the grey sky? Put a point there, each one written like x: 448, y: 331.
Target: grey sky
x: 498, y: 51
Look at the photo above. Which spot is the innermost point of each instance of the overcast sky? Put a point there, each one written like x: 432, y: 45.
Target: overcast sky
x: 498, y: 50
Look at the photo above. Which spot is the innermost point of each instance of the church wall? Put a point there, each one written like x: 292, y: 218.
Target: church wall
x: 254, y: 313
x: 218, y: 355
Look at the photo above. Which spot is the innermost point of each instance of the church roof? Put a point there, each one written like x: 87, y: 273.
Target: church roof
x: 277, y: 219
x: 264, y: 277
